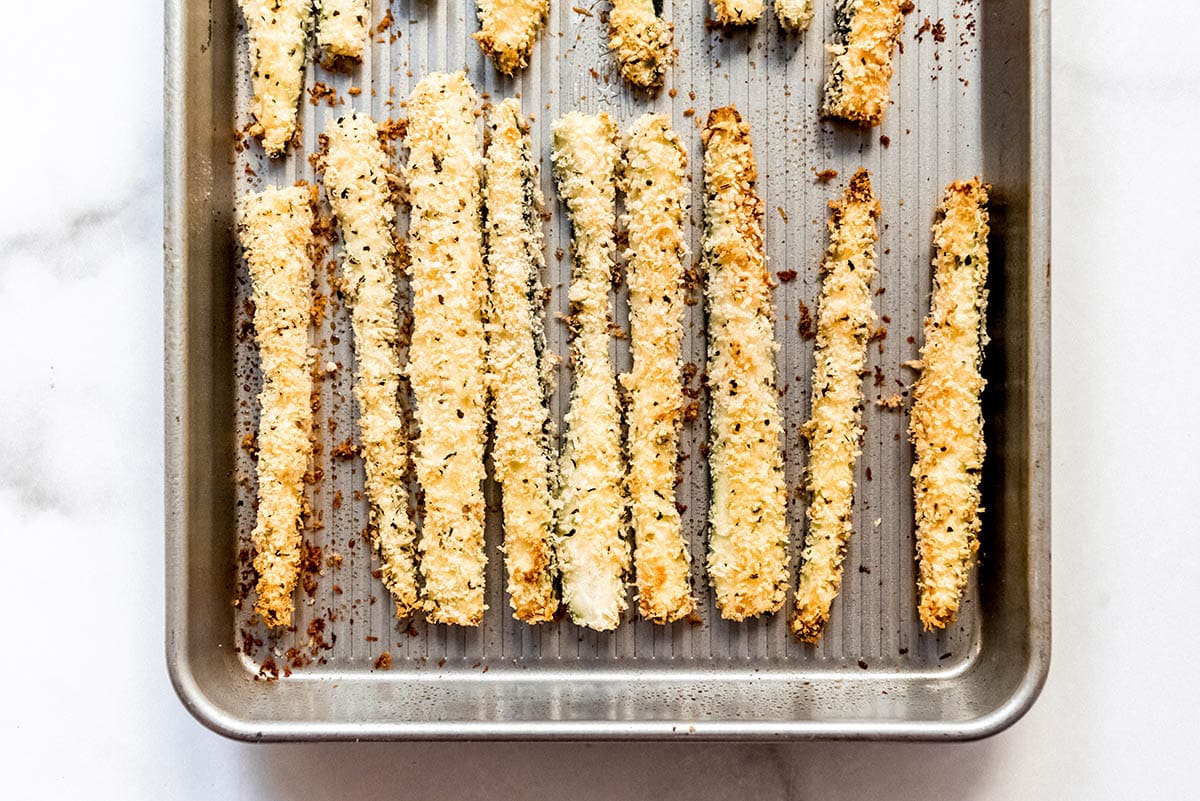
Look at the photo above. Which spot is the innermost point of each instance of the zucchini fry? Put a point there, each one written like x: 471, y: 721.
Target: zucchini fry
x: 654, y: 180
x: 593, y: 553
x: 737, y: 12
x: 946, y: 425
x: 356, y: 182
x: 447, y: 356
x: 747, y: 557
x: 278, y: 31
x: 834, y: 432
x: 794, y: 15
x: 642, y: 41
x: 342, y: 28
x: 865, y: 32
x: 521, y: 455
x: 508, y: 30
x: 275, y: 231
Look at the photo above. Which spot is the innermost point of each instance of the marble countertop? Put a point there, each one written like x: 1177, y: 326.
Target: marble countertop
x: 87, y: 710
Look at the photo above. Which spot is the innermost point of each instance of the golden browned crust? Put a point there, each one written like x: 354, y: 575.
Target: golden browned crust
x: 358, y: 185
x: 275, y: 231
x: 654, y: 180
x: 947, y: 422
x: 865, y: 34
x: 508, y: 30
x: 342, y: 27
x: 834, y: 430
x: 747, y: 559
x: 447, y: 357
x: 521, y: 455
x: 277, y: 32
x: 737, y: 12
x: 642, y: 41
x: 794, y: 15
x: 593, y: 552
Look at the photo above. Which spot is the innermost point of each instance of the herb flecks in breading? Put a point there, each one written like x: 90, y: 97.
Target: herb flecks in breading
x: 592, y: 550
x: 947, y: 423
x: 447, y: 355
x: 654, y: 180
x: 747, y: 559
x: 642, y: 41
x: 845, y: 320
x: 737, y: 12
x: 278, y: 30
x: 357, y: 185
x: 521, y: 455
x: 275, y: 232
x: 342, y: 27
x: 865, y: 33
x: 794, y: 15
x: 508, y: 30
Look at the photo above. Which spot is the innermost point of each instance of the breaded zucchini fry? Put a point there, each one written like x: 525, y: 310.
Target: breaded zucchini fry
x: 642, y: 41
x: 521, y: 454
x: 447, y: 357
x: 737, y: 12
x: 275, y: 231
x: 865, y: 31
x: 278, y: 31
x: 356, y: 182
x: 794, y: 15
x: 342, y: 28
x: 654, y: 180
x: 508, y: 30
x: 747, y: 557
x: 593, y: 553
x: 834, y: 431
x: 947, y: 424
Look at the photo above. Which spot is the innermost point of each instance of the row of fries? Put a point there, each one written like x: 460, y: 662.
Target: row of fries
x: 864, y: 37
x: 478, y: 355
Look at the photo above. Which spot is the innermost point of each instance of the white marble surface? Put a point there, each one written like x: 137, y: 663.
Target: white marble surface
x: 86, y: 710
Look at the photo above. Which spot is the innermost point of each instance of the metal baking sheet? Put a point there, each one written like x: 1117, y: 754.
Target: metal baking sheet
x: 970, y: 97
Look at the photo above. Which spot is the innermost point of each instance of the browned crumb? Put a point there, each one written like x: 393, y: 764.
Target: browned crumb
x: 825, y: 176
x: 581, y: 10
x: 907, y: 7
x: 346, y: 449
x: 392, y: 129
x: 320, y: 304
x: 310, y: 567
x: 786, y: 276
x: 891, y: 402
x: 319, y: 91
x: 383, y: 661
x: 806, y: 326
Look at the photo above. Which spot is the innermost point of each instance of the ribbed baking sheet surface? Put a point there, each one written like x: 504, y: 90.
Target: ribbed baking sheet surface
x: 930, y: 136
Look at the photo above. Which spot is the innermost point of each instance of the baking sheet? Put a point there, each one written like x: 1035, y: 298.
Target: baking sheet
x: 969, y: 98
